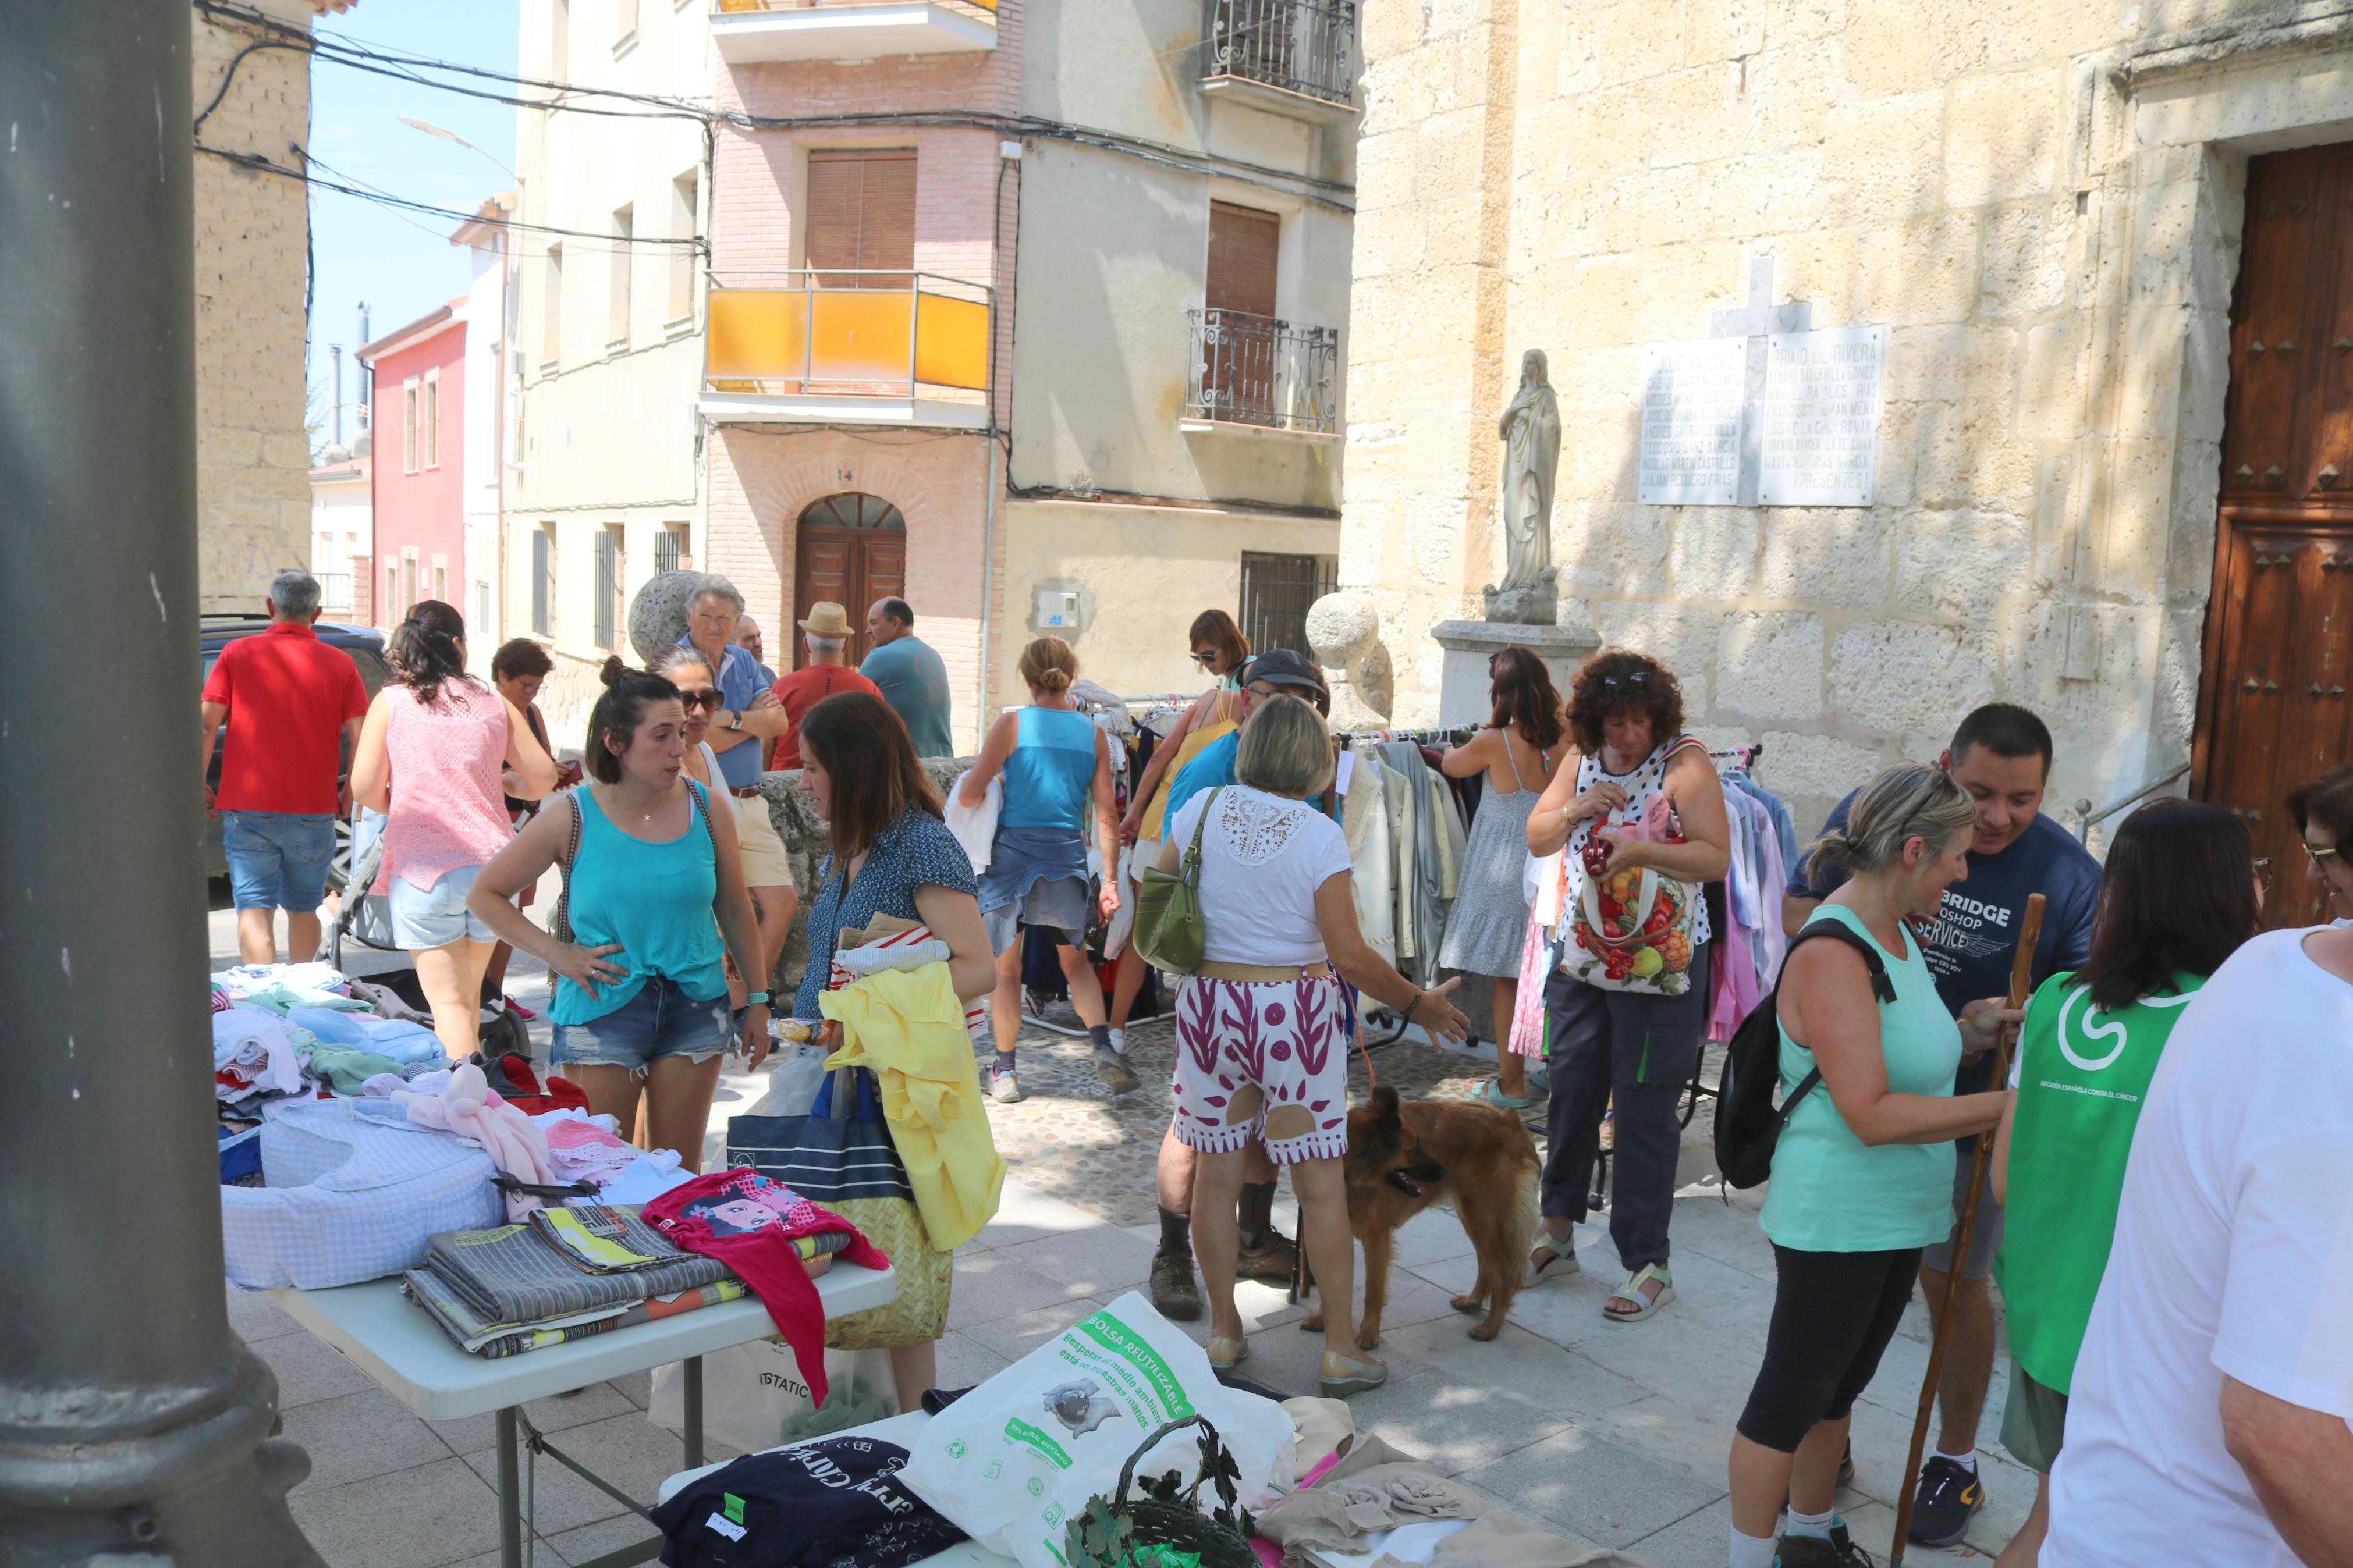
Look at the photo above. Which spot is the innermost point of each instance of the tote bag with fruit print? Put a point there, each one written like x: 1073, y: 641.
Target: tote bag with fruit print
x: 1631, y: 928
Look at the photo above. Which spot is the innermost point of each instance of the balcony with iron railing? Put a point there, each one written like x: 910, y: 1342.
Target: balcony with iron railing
x: 335, y: 594
x: 1294, y: 57
x: 847, y: 347
x: 1259, y: 375
x: 756, y: 32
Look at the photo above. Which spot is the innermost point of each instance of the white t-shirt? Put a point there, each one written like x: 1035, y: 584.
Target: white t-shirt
x: 2233, y: 1255
x: 1263, y: 858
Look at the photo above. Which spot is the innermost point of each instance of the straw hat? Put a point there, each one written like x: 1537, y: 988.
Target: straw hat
x: 828, y: 619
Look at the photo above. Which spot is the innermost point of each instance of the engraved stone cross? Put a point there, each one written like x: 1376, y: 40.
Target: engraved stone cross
x: 1761, y: 318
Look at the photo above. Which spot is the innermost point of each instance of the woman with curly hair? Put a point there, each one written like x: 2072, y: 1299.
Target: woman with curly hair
x: 1639, y: 811
x: 430, y: 755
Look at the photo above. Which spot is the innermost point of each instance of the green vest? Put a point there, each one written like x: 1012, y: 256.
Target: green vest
x: 2084, y: 1074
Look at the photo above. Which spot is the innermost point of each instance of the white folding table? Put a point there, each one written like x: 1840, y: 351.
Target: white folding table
x: 405, y: 1351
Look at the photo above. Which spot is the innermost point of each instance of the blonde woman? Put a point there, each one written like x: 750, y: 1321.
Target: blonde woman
x: 1862, y: 1174
x: 1056, y: 764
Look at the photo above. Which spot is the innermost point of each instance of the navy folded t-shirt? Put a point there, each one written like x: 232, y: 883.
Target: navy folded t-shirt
x: 833, y: 1503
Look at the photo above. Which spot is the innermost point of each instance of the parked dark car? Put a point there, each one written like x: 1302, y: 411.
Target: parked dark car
x: 366, y: 647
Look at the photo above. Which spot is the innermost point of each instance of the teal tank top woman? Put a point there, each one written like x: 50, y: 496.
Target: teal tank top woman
x: 655, y: 900
x: 1832, y: 1192
x: 1051, y: 772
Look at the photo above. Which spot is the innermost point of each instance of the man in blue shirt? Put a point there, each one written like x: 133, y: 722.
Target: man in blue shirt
x: 913, y: 680
x: 1277, y: 671
x: 740, y: 733
x: 2002, y: 755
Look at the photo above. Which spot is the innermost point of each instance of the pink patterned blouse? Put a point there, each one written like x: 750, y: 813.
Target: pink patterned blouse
x: 449, y: 811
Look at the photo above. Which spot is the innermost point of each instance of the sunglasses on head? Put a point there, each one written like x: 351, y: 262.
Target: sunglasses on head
x: 1633, y: 677
x: 704, y: 699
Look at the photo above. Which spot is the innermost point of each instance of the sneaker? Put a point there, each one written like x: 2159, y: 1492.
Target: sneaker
x: 517, y: 1008
x: 1813, y: 1551
x: 1949, y: 1498
x: 1113, y: 1069
x: 1175, y: 1294
x: 1276, y: 1263
x: 1004, y: 1088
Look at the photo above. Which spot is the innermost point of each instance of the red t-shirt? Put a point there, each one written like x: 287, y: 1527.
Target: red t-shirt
x: 287, y: 695
x: 802, y: 690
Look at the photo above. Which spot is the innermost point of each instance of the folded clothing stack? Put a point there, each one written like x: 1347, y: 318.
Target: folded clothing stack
x: 566, y: 1274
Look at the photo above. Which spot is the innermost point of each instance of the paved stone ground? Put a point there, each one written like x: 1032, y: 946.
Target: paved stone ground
x: 1615, y: 1435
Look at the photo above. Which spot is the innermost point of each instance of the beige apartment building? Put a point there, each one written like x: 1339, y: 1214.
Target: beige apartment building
x: 2084, y: 268
x: 1030, y: 310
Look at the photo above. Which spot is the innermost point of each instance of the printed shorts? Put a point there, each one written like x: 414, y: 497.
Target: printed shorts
x: 1268, y: 1061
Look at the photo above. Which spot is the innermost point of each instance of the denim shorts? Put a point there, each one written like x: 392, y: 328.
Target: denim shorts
x: 436, y: 916
x: 662, y: 1020
x: 279, y: 859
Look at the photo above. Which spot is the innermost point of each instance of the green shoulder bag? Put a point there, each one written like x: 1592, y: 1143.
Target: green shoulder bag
x: 1170, y: 930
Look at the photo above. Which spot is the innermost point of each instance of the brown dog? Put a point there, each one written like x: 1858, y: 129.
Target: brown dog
x: 1475, y: 1159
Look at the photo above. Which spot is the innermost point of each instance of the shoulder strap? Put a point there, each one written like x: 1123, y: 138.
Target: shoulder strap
x: 562, y: 925
x: 1882, y: 986
x: 702, y: 812
x: 1192, y: 869
x: 1512, y: 757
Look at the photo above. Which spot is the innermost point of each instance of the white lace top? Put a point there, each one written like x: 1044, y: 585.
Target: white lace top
x: 1263, y: 858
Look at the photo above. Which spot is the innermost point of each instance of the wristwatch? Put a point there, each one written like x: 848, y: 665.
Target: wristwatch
x: 755, y: 999
x: 735, y: 720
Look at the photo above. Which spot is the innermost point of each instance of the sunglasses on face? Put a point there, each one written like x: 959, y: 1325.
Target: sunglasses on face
x: 2263, y: 872
x: 704, y: 699
x: 1205, y: 659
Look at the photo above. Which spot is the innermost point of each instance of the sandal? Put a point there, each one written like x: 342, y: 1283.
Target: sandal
x: 1563, y: 1260
x: 1342, y: 1376
x: 1225, y: 1354
x: 1490, y: 1092
x: 1631, y: 1289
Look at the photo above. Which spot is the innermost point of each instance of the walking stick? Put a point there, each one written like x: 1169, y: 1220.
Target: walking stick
x: 2022, y: 981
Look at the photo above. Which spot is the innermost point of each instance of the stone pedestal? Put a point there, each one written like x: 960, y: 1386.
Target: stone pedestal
x: 1464, y: 683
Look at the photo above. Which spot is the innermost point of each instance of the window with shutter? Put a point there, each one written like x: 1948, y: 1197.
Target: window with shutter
x: 608, y: 585
x: 1244, y: 244
x: 860, y: 217
x: 682, y: 193
x: 625, y: 228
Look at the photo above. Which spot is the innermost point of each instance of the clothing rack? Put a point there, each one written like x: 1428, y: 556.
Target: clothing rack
x: 1741, y: 757
x: 1455, y: 735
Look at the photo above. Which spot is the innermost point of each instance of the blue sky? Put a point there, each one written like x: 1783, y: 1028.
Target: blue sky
x: 402, y: 264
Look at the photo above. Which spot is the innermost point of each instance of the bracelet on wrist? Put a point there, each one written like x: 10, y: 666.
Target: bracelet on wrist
x: 1413, y: 1006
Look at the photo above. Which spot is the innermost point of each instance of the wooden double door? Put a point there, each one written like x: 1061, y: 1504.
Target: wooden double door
x: 2273, y: 709
x: 850, y: 549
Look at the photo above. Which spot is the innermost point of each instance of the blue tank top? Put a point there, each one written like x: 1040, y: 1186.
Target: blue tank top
x: 654, y: 899
x: 1051, y: 772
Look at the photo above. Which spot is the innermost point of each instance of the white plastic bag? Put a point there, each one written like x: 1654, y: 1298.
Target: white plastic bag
x: 754, y: 1396
x: 1012, y: 1462
x: 793, y: 1083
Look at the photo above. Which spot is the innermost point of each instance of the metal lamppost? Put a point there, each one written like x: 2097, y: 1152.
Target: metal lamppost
x: 133, y: 1425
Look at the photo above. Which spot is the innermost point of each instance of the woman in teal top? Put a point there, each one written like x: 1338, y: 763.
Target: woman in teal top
x: 1862, y: 1175
x: 1056, y: 764
x: 2179, y: 896
x: 652, y: 880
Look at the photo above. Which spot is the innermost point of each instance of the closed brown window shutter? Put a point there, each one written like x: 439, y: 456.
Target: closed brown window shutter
x: 1244, y: 243
x: 860, y: 211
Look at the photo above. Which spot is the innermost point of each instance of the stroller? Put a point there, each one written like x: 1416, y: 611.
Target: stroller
x: 366, y: 918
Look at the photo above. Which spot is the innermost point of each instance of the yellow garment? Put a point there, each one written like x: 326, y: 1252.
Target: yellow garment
x: 907, y: 1025
x: 1222, y: 720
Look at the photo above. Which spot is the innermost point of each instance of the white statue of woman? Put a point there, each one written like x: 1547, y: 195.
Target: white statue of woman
x: 1530, y: 430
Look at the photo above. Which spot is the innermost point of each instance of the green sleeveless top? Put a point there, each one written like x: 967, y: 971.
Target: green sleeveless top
x: 1832, y: 1192
x: 2081, y: 1076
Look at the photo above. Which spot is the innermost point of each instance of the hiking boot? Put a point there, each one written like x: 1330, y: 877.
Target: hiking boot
x: 1949, y: 1498
x: 1004, y: 1088
x: 1175, y: 1294
x: 1111, y: 1068
x: 1275, y: 1262
x: 1812, y: 1551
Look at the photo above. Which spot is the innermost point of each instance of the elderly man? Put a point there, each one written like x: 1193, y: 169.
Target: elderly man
x: 910, y: 676
x: 296, y: 702
x: 1267, y: 1255
x: 826, y: 633
x: 739, y: 733
x: 748, y: 639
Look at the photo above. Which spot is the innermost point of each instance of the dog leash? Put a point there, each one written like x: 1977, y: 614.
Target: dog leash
x: 1357, y: 1031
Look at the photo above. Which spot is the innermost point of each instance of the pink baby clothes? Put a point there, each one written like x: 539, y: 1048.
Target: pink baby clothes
x: 449, y: 809
x: 470, y: 1107
x: 584, y: 1152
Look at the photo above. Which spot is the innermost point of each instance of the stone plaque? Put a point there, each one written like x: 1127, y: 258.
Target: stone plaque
x: 1693, y: 395
x: 1820, y: 416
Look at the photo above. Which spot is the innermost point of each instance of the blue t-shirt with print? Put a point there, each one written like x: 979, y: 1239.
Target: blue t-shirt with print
x: 914, y: 682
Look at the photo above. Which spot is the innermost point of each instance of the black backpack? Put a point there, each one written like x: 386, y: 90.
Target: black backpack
x: 1748, y: 1124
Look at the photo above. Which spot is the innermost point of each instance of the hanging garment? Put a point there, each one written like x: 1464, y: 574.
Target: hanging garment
x: 1404, y: 876
x: 750, y: 1224
x: 1365, y: 822
x: 975, y: 827
x: 1426, y: 902
x: 907, y: 1025
x: 1528, y: 1036
x: 1453, y: 841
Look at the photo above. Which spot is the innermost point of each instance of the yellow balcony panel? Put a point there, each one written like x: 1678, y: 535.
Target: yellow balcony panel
x: 757, y: 334
x: 951, y: 341
x: 758, y: 32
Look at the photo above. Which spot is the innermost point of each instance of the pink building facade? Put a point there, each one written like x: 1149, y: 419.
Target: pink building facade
x: 419, y: 462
